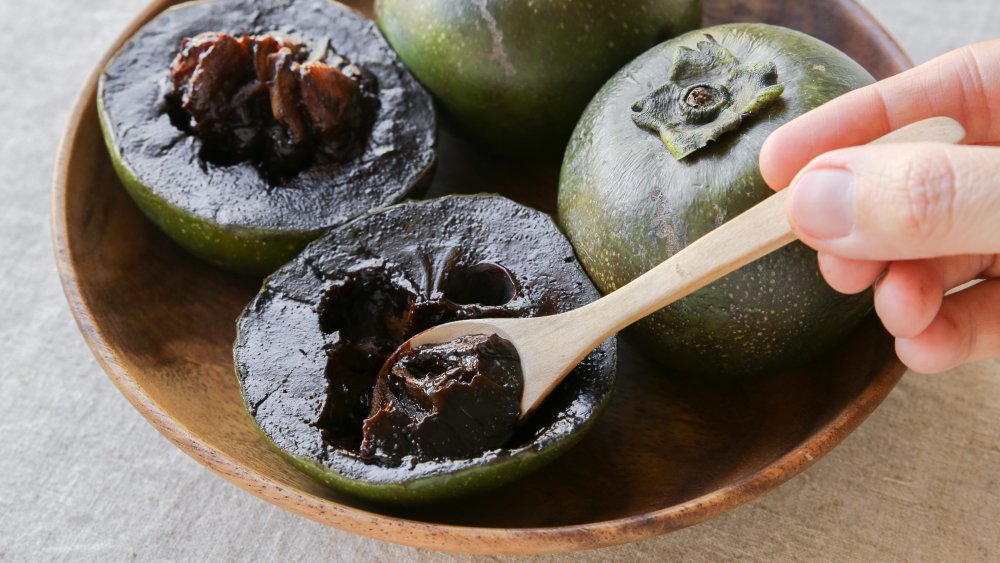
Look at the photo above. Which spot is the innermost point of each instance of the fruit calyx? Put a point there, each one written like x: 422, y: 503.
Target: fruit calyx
x: 709, y: 93
x: 258, y: 98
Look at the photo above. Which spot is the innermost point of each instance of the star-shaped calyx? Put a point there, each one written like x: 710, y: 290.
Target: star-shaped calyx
x: 709, y: 93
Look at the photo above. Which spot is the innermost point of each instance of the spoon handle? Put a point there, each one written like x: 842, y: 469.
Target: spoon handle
x: 758, y: 231
x: 554, y: 345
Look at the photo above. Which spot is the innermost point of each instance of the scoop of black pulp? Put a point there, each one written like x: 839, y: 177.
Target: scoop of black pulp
x: 448, y: 400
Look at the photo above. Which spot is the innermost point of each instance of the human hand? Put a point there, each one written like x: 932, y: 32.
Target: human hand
x: 915, y: 220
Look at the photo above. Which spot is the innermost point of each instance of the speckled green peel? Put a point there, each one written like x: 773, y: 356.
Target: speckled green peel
x: 709, y: 93
x: 439, y: 488
x: 515, y: 75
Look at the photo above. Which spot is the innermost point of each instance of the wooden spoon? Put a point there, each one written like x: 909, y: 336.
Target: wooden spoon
x: 550, y: 347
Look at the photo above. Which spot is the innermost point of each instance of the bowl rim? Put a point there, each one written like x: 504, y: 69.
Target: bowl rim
x: 403, y: 531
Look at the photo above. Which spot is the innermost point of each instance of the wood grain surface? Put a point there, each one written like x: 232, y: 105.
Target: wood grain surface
x: 665, y: 455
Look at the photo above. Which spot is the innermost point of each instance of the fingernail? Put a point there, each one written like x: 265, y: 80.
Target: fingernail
x: 823, y: 203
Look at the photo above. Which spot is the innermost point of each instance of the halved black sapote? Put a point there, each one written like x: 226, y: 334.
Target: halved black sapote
x: 666, y: 152
x: 244, y: 128
x: 311, y: 344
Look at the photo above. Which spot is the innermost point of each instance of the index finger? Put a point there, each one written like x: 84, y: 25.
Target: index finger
x: 961, y: 84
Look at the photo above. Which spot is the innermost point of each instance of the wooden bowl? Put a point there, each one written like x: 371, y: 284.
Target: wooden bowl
x: 663, y: 456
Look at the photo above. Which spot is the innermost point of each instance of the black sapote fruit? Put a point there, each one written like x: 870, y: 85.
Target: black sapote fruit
x: 244, y: 128
x: 666, y: 152
x: 311, y: 344
x: 516, y: 74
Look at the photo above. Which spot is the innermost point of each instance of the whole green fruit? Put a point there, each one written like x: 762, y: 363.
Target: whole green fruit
x: 666, y: 152
x: 516, y: 74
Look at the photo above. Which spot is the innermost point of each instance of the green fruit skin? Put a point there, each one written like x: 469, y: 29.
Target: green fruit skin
x: 242, y: 250
x: 443, y: 487
x: 516, y: 74
x: 627, y: 205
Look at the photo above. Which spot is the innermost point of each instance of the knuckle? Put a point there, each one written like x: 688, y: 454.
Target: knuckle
x: 922, y: 193
x: 974, y: 83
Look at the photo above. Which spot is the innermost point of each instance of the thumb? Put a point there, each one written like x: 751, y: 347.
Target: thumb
x: 899, y: 202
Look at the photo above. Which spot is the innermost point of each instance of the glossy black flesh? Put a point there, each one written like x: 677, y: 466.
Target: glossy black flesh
x: 397, y: 155
x: 456, y: 399
x: 310, y: 345
x: 369, y: 311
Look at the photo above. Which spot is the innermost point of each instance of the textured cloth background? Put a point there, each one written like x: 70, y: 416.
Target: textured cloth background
x: 84, y: 478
